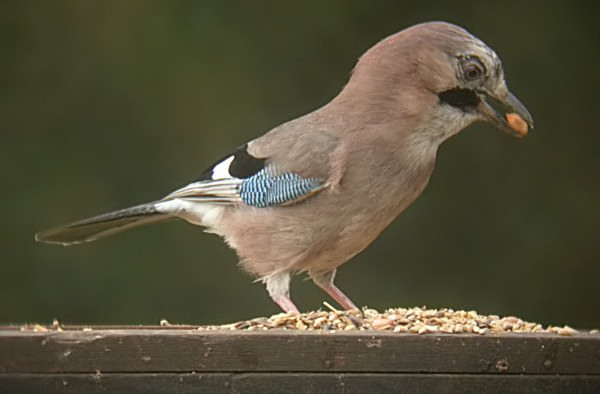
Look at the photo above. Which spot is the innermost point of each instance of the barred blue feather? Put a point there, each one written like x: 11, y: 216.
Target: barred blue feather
x: 264, y: 189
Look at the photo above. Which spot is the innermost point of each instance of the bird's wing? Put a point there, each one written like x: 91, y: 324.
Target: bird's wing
x: 241, y: 178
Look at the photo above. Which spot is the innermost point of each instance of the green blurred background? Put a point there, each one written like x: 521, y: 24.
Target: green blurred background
x: 106, y: 104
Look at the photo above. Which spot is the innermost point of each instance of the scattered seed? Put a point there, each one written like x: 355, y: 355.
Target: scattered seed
x: 381, y: 324
x: 418, y: 320
x: 566, y: 331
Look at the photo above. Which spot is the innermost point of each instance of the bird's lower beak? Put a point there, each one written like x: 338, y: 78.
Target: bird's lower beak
x: 516, y: 121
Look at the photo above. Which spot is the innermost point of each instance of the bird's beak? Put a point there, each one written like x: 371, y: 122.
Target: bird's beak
x: 516, y: 126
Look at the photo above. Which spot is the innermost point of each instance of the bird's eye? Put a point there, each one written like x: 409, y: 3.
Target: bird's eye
x: 472, y: 72
x: 472, y: 69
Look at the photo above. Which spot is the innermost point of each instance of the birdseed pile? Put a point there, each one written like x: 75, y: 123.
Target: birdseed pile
x: 400, y: 320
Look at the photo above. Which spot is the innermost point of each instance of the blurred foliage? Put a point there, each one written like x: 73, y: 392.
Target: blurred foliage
x: 105, y: 104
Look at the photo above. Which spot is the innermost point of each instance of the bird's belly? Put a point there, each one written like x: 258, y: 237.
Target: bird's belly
x: 354, y: 235
x: 320, y: 233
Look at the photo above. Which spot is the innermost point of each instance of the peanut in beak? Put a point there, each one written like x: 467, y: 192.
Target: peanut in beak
x: 518, y: 124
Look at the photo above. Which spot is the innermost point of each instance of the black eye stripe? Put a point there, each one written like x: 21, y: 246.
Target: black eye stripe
x: 460, y: 98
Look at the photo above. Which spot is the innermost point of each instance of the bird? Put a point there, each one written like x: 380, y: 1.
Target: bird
x: 313, y: 192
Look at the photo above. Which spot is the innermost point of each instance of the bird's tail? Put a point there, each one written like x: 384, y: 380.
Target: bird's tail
x: 103, y: 225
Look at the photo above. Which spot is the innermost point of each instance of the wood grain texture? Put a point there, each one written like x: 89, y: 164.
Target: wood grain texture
x: 186, y: 360
x: 268, y: 382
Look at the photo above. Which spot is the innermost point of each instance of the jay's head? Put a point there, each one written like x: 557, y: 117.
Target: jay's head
x: 441, y: 74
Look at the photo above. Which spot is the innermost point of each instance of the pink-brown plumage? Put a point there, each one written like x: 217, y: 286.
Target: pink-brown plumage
x: 372, y: 149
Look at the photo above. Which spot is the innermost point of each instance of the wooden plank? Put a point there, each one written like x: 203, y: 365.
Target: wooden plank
x: 160, y: 350
x: 266, y: 382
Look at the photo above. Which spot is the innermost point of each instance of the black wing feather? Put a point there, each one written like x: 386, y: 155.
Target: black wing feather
x: 244, y: 165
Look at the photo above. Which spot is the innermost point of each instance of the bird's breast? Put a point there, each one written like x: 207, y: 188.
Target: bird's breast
x: 370, y: 196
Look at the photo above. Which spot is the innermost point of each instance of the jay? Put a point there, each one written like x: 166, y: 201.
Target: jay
x: 312, y: 193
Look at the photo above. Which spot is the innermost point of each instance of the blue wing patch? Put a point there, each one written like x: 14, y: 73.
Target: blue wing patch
x: 241, y: 177
x: 264, y: 190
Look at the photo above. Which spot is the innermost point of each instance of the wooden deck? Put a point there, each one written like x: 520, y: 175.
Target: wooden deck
x: 155, y: 359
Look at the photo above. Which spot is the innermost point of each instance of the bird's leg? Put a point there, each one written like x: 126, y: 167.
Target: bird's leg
x: 325, y: 281
x: 278, y: 286
x: 340, y: 297
x: 286, y: 304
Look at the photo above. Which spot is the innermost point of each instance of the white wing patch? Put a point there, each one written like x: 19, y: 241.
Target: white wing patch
x: 219, y: 191
x: 221, y: 170
x: 198, y: 213
x: 221, y: 188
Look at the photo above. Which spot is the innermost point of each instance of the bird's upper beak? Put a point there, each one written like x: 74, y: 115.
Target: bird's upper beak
x: 510, y: 124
